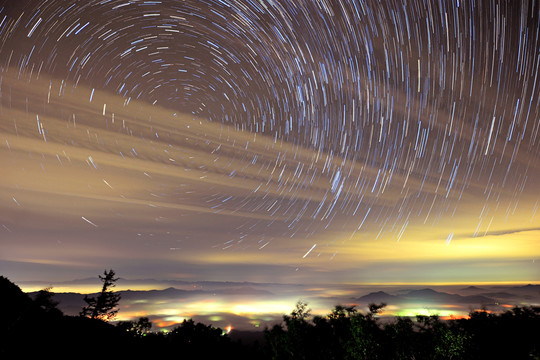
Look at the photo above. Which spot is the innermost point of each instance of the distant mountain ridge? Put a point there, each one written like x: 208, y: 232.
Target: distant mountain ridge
x: 426, y: 296
x: 274, y: 300
x: 72, y: 302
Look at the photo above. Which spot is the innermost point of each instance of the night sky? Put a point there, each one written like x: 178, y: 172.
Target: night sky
x: 344, y: 141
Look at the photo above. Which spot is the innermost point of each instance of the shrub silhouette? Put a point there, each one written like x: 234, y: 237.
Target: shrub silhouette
x: 44, y: 299
x: 136, y: 328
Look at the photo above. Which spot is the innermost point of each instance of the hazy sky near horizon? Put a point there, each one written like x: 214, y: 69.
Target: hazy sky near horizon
x: 272, y: 141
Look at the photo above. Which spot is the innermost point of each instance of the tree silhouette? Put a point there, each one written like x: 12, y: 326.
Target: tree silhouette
x: 136, y: 328
x: 366, y: 335
x: 301, y: 312
x: 344, y: 334
x: 103, y: 306
x: 44, y: 299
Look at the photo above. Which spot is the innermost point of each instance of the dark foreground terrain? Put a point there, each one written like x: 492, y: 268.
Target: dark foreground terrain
x: 36, y: 327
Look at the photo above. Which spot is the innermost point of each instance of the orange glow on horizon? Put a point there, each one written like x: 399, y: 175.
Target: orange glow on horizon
x: 455, y: 317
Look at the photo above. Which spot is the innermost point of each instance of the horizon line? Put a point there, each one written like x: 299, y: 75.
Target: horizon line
x: 31, y: 286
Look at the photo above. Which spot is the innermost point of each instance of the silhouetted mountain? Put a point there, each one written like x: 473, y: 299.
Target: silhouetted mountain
x: 528, y: 287
x: 424, y: 296
x: 472, y: 288
x: 527, y: 292
x: 500, y: 295
x: 244, y: 290
x: 431, y: 295
x: 378, y: 297
x: 156, y: 294
x: 186, y: 293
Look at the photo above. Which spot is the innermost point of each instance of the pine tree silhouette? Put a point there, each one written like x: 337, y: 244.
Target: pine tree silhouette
x: 103, y: 306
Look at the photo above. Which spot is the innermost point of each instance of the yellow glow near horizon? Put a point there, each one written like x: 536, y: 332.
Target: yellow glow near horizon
x: 408, y: 312
x: 104, y: 182
x: 89, y: 289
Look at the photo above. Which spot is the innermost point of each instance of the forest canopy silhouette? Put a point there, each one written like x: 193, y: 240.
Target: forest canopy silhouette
x: 345, y: 333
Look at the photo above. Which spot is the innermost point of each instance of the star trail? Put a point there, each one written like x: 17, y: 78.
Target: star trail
x: 346, y: 141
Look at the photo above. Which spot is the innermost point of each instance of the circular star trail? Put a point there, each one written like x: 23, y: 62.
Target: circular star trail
x: 361, y: 119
